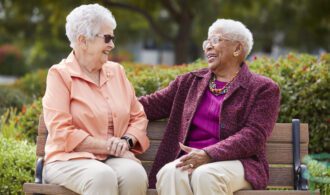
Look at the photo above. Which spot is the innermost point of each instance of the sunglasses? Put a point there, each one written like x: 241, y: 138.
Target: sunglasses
x: 107, y: 38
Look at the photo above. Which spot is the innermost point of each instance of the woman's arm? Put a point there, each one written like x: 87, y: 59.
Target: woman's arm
x: 137, y: 127
x: 159, y: 104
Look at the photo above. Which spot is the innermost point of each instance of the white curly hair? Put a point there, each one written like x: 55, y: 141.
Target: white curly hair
x: 233, y: 30
x: 87, y: 20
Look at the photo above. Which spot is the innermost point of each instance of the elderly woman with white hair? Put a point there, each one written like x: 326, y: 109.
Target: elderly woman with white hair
x: 95, y: 122
x: 219, y: 119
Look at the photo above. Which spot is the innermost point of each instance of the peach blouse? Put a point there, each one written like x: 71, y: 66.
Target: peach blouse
x: 75, y: 107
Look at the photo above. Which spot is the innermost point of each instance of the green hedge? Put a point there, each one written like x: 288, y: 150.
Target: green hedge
x: 21, y: 125
x: 11, y: 61
x: 305, y: 93
x: 16, y: 165
x: 11, y: 97
x: 32, y: 84
x: 318, y: 173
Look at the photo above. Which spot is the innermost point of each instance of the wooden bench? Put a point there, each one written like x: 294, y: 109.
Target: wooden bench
x: 285, y: 148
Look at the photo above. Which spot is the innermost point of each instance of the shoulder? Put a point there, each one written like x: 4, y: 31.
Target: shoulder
x: 115, y: 69
x: 262, y: 84
x: 60, y: 68
x: 199, y: 73
x: 113, y: 66
x: 260, y: 80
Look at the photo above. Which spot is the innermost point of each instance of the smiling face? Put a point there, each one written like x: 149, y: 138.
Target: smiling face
x: 219, y: 51
x: 97, y: 50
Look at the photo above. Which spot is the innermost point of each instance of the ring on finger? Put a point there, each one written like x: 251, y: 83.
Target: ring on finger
x: 191, y: 165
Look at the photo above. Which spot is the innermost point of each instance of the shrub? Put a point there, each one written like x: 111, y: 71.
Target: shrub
x: 10, y: 97
x: 33, y: 84
x: 147, y: 79
x: 11, y: 61
x: 16, y: 165
x: 305, y: 91
x: 21, y: 125
x: 318, y: 174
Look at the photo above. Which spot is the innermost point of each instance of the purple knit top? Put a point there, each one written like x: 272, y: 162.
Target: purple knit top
x: 204, y: 129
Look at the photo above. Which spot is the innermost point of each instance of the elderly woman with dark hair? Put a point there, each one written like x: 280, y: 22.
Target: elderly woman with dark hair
x: 222, y: 114
x: 94, y: 120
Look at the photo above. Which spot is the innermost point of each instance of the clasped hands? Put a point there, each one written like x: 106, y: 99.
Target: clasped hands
x: 119, y: 148
x: 193, y: 159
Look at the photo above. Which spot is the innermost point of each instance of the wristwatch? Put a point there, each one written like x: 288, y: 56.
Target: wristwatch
x: 129, y: 141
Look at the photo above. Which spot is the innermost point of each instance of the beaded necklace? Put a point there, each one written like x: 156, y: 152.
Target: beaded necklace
x: 221, y: 91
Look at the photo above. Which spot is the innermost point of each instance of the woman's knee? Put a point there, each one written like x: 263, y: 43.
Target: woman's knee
x: 134, y: 174
x: 102, y: 177
x: 167, y: 170
x: 204, y: 176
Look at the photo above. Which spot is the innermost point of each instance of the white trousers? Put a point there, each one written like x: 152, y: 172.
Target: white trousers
x: 218, y: 178
x: 91, y: 177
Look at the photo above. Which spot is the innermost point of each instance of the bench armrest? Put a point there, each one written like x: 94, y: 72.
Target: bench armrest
x: 302, y: 182
x: 39, y: 167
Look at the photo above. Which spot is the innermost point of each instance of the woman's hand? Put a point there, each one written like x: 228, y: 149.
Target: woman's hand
x: 129, y: 155
x: 116, y: 146
x: 193, y: 159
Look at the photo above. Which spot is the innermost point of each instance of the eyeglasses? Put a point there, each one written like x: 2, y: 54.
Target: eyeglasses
x: 107, y: 38
x: 213, y: 41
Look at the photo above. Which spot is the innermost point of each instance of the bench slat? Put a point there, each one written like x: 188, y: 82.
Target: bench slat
x: 46, y: 189
x: 281, y: 153
x: 282, y: 132
x: 277, y: 153
x: 59, y: 190
x: 277, y: 192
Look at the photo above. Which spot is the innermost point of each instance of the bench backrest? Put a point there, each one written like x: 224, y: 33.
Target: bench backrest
x: 279, y: 149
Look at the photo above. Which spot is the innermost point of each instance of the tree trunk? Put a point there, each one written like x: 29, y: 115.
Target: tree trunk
x: 182, y: 40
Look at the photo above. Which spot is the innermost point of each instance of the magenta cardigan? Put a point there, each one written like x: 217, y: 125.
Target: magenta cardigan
x: 248, y: 114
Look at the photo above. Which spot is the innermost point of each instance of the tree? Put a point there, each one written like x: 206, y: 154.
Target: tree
x: 181, y: 13
x: 38, y: 26
x: 272, y: 22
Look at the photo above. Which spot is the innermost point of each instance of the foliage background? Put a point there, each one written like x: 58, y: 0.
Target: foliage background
x: 36, y: 29
x: 16, y: 164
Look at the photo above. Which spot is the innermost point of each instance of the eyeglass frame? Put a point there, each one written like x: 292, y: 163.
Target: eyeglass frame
x: 213, y: 41
x: 106, y: 37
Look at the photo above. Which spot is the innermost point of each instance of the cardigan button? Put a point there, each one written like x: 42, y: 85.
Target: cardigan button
x: 222, y: 126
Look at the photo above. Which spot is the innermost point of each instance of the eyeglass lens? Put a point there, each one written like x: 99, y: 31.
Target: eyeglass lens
x: 108, y: 38
x: 212, y: 40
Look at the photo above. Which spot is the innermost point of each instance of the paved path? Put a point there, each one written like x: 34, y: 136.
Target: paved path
x: 6, y: 80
